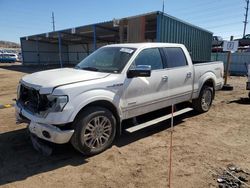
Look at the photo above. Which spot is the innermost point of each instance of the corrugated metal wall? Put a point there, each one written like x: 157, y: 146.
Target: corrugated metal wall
x: 239, y: 62
x: 76, y: 53
x: 197, y: 41
x: 42, y: 53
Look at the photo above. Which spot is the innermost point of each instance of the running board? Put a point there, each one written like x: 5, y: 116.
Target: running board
x: 157, y: 120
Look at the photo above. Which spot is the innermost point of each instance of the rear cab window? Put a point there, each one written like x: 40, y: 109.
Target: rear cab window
x: 174, y: 57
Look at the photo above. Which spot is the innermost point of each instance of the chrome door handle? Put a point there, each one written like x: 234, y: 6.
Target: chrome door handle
x: 165, y: 78
x: 189, y: 75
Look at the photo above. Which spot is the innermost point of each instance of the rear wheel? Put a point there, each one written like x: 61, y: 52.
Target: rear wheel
x: 95, y: 130
x: 204, y: 101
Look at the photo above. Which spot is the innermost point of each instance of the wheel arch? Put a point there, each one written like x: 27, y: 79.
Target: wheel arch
x: 211, y: 83
x: 197, y: 102
x: 208, y: 80
x: 105, y: 104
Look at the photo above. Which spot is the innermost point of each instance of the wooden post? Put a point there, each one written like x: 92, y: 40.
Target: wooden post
x: 228, y: 63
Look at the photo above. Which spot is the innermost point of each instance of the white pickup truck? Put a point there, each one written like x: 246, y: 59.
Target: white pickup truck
x: 86, y: 105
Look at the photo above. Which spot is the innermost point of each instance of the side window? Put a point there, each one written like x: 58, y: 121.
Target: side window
x: 175, y: 57
x: 150, y: 57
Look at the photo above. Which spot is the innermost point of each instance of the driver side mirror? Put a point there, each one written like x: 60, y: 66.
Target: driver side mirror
x: 139, y: 71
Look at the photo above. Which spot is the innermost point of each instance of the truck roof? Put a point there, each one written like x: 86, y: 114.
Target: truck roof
x: 145, y: 44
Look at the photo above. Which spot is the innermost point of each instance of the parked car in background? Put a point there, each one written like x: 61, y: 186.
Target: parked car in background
x: 217, y: 41
x: 8, y: 57
x: 245, y: 41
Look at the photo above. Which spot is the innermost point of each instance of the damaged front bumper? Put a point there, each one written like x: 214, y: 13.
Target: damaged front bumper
x: 43, y: 130
x: 50, y: 133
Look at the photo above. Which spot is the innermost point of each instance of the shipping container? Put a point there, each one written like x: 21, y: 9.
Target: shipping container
x: 198, y: 41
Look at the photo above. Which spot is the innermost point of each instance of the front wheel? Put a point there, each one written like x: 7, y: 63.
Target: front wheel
x: 95, y: 130
x: 204, y: 101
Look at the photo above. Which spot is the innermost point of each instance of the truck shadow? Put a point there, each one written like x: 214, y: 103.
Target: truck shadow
x: 127, y: 138
x: 19, y: 160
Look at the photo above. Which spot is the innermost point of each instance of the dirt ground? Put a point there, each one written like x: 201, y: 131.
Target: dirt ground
x: 202, y: 144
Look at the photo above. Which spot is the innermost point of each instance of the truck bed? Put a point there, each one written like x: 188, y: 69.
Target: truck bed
x: 213, y: 68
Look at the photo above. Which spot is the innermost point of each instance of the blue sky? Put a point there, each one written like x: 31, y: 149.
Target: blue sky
x: 20, y: 18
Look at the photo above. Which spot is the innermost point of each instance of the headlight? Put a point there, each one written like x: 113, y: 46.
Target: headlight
x: 57, y: 102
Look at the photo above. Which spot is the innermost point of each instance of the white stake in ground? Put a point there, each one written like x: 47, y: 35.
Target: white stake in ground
x: 171, y: 146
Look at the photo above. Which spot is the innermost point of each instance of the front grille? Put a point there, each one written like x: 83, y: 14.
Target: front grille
x: 31, y: 100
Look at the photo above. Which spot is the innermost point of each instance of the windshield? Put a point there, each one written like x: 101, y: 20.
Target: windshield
x: 107, y: 59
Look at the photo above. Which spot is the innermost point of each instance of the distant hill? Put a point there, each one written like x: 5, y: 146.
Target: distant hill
x: 8, y: 44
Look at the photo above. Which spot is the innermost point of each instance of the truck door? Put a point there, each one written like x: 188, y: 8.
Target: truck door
x: 179, y: 73
x: 145, y: 94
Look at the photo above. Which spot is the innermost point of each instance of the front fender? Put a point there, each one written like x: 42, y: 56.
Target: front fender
x: 88, y: 97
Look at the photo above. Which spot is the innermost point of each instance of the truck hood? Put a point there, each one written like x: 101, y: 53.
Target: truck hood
x: 46, y: 81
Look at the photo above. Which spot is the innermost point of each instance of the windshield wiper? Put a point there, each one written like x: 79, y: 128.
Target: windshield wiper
x: 89, y: 68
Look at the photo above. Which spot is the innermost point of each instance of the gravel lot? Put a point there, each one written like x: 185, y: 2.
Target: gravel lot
x: 201, y: 145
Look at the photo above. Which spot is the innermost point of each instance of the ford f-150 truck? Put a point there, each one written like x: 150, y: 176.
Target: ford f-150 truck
x: 86, y: 105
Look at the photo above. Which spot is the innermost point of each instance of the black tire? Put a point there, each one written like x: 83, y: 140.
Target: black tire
x: 199, y: 103
x: 82, y: 127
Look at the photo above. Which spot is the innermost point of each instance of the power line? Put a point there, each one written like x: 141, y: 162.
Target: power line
x: 225, y: 38
x: 245, y: 21
x: 208, y: 12
x: 199, y: 5
x: 214, y: 18
x: 229, y: 33
x: 223, y: 25
x: 201, y: 10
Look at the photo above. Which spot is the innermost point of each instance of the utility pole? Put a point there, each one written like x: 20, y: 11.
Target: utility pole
x: 53, y: 21
x: 163, y: 6
x: 246, y: 15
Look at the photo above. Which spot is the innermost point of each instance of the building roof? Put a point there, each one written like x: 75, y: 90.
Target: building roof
x: 106, y: 32
x: 146, y: 44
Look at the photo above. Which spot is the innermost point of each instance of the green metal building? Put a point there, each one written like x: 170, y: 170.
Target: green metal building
x: 197, y: 40
x: 70, y: 46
